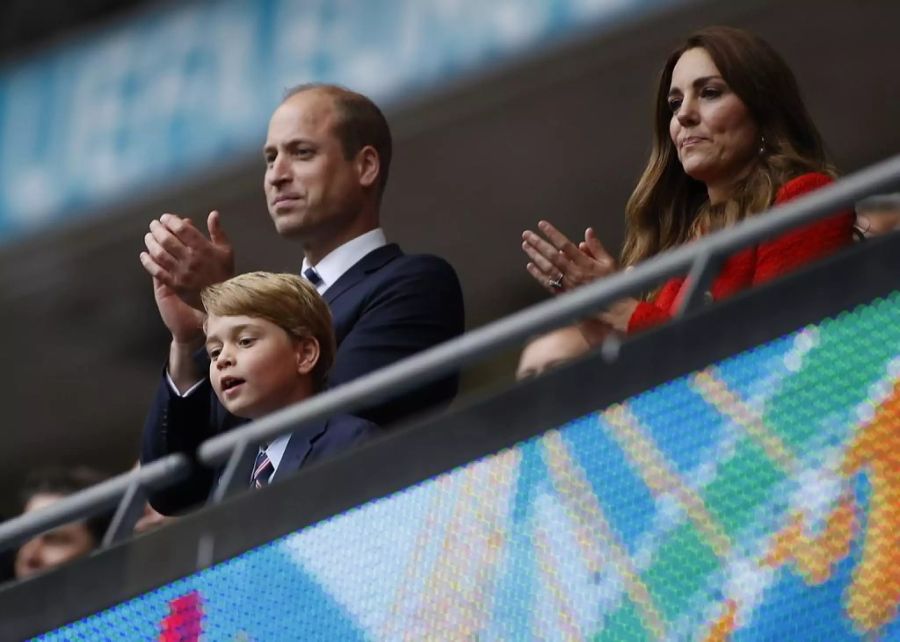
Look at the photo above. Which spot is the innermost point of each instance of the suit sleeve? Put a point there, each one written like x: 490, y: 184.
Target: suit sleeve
x: 419, y: 306
x: 179, y: 425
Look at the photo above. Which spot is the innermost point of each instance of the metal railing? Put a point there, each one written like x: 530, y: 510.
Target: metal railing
x: 699, y: 260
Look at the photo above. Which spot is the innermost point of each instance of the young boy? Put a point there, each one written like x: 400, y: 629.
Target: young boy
x: 270, y: 342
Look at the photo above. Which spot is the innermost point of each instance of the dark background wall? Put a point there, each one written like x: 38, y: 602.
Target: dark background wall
x: 562, y: 135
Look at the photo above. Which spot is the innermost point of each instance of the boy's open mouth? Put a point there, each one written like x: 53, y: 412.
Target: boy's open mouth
x: 228, y: 383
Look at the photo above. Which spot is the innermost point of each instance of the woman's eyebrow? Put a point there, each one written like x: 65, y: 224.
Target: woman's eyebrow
x: 697, y: 82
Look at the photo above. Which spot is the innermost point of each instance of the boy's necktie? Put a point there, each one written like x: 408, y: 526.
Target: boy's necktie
x: 262, y: 470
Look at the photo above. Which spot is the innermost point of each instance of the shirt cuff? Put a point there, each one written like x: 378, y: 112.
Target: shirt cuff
x: 174, y: 388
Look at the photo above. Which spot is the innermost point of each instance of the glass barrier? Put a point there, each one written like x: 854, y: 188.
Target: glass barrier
x: 756, y: 498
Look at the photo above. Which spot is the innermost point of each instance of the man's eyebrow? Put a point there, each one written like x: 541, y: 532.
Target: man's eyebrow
x: 698, y: 82
x: 293, y: 142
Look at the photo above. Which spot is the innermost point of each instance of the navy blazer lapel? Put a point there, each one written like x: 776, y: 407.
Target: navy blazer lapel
x: 372, y: 261
x: 297, y: 449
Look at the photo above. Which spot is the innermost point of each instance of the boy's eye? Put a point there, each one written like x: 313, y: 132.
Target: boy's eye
x: 213, y: 353
x: 246, y: 341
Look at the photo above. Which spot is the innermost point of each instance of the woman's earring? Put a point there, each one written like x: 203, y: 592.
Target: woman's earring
x: 762, y: 145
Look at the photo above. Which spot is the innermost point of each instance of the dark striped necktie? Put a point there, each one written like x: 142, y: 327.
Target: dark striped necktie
x: 262, y: 470
x: 312, y: 276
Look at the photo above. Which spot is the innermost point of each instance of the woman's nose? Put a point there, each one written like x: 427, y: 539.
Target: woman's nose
x: 687, y: 112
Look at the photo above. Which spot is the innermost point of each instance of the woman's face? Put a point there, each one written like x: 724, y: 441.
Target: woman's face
x: 713, y: 132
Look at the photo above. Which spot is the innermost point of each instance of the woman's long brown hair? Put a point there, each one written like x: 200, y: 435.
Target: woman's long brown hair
x: 668, y: 207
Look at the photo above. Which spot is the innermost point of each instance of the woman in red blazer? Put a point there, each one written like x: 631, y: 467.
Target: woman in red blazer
x: 732, y: 138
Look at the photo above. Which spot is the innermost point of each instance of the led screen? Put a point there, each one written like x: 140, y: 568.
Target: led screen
x: 756, y: 499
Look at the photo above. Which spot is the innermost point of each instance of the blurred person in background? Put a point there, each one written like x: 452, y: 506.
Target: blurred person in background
x: 64, y: 543
x: 878, y: 215
x: 732, y: 138
x: 550, y: 350
x: 327, y: 156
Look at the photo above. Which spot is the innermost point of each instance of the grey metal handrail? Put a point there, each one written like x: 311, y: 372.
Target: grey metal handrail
x: 699, y: 258
x: 96, y: 499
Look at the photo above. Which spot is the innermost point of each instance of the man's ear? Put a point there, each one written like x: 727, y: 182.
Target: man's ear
x: 307, y: 354
x: 368, y: 165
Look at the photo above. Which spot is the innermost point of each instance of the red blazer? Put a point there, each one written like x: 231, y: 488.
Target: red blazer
x: 762, y: 262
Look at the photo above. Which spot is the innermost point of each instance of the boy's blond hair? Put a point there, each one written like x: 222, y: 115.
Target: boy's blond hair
x: 286, y: 300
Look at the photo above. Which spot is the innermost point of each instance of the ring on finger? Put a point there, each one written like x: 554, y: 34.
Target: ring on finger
x: 557, y: 283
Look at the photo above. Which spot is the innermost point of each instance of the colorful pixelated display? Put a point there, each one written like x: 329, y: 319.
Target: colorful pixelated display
x: 756, y: 499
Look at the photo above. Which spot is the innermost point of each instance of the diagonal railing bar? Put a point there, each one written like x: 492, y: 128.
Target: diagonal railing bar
x: 88, y: 502
x: 703, y: 272
x: 448, y: 357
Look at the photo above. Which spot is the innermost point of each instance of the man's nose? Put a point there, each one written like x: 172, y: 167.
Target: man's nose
x: 279, y: 172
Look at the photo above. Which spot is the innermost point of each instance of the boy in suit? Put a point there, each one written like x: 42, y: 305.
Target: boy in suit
x: 270, y: 344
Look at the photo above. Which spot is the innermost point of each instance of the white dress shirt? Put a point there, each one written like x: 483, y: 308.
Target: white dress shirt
x: 341, y: 259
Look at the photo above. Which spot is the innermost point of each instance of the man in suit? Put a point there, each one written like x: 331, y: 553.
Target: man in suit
x: 327, y: 153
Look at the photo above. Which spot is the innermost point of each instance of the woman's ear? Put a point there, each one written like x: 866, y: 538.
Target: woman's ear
x: 307, y: 354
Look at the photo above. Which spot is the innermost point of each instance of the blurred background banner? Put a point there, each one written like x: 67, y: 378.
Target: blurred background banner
x: 188, y: 87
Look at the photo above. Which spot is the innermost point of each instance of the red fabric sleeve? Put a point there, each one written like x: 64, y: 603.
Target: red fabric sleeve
x: 646, y: 315
x: 803, y: 244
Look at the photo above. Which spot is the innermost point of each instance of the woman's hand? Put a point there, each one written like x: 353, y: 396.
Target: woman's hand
x: 559, y: 265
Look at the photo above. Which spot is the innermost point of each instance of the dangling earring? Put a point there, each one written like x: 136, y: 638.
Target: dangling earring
x: 762, y: 145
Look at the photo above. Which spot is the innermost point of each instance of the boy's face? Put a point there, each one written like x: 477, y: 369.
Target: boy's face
x: 255, y: 366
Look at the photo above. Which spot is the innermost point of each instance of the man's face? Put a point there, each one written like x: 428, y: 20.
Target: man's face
x: 53, y: 547
x: 255, y: 366
x: 313, y: 192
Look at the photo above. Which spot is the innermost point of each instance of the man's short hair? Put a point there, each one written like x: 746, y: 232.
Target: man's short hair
x: 360, y: 122
x: 63, y: 482
x: 287, y: 300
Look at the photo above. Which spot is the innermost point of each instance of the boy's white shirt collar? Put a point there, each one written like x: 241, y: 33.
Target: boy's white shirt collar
x: 341, y: 259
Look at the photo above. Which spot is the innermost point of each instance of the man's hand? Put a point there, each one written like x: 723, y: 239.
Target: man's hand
x: 180, y: 257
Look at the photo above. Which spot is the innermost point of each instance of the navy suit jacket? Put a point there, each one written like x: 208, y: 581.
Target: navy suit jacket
x: 312, y: 443
x: 388, y: 306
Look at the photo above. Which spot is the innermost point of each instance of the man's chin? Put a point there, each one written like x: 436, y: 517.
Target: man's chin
x: 290, y: 224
